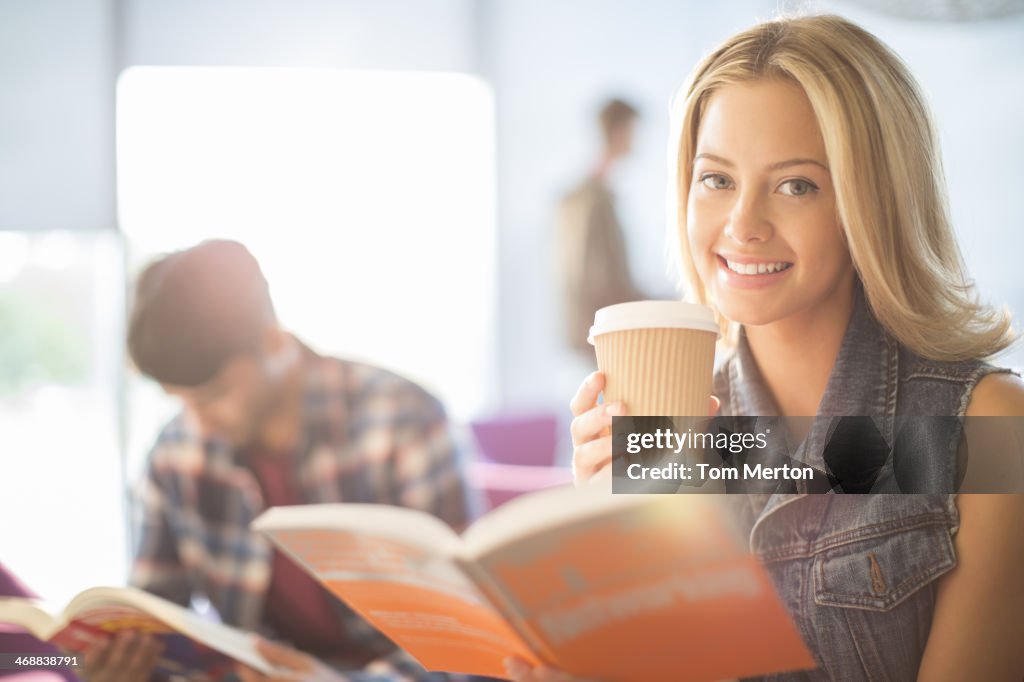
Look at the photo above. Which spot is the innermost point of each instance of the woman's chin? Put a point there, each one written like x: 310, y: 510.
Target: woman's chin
x: 747, y: 315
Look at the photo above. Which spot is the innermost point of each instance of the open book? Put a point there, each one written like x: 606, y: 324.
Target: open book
x: 196, y: 648
x: 610, y: 587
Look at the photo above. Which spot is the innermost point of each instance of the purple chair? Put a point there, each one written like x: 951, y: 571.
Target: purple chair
x: 14, y: 640
x: 529, y: 439
x: 517, y: 456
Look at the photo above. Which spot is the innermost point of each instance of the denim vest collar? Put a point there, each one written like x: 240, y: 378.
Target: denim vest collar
x: 863, y: 382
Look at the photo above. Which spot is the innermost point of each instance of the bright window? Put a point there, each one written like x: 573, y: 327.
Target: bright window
x: 368, y: 198
x: 62, y: 520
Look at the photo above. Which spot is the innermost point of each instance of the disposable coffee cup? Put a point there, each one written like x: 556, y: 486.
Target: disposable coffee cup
x: 657, y: 356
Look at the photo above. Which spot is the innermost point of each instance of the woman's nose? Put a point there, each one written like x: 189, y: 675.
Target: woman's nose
x: 747, y: 221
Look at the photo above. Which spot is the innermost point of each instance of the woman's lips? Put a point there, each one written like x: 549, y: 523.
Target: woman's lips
x: 757, y: 278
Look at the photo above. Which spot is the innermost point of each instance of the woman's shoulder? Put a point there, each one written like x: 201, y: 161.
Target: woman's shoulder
x: 961, y: 387
x: 998, y: 394
x: 914, y: 367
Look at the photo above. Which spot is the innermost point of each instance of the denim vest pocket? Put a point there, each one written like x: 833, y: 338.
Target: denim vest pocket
x: 879, y: 572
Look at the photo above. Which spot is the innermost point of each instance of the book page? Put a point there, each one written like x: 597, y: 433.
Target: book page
x: 31, y: 614
x: 413, y: 594
x: 530, y: 514
x: 410, y: 526
x: 658, y: 592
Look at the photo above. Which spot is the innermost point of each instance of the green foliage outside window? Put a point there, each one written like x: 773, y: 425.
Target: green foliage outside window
x: 37, y: 346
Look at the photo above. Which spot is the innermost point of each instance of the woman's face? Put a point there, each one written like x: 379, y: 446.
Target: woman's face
x: 761, y: 214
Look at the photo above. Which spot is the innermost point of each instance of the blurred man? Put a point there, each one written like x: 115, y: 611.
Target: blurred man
x: 592, y: 249
x: 266, y: 422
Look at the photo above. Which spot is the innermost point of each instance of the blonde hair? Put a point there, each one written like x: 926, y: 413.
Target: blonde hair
x: 884, y: 158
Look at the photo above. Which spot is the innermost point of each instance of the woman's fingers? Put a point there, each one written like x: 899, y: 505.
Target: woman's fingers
x: 592, y: 423
x: 586, y: 394
x: 521, y: 671
x: 545, y: 674
x: 591, y: 457
x: 283, y: 656
x: 518, y: 670
x: 601, y: 480
x: 590, y: 429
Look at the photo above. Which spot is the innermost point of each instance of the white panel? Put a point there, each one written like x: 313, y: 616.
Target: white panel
x: 367, y: 196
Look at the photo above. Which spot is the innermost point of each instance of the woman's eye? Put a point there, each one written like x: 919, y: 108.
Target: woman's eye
x: 798, y: 188
x: 715, y: 181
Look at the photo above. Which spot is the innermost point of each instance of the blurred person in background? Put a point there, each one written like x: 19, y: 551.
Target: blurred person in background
x: 813, y: 220
x: 266, y: 422
x: 592, y: 254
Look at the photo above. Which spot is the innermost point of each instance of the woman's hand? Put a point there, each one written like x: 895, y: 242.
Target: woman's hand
x: 591, y: 430
x: 521, y: 671
x: 291, y: 666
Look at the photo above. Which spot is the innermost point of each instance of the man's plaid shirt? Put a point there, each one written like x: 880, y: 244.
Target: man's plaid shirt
x: 370, y: 436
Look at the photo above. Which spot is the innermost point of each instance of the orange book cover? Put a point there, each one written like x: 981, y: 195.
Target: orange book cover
x: 609, y: 587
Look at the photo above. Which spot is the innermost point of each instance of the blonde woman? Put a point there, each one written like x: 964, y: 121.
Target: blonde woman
x: 813, y: 220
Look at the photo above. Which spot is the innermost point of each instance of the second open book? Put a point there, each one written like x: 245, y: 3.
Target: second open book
x: 193, y: 648
x: 610, y: 587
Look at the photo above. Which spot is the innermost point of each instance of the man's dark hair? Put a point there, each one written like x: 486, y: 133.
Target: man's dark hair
x: 614, y: 113
x: 197, y: 309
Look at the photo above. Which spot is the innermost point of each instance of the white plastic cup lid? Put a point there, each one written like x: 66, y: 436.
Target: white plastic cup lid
x: 653, y: 315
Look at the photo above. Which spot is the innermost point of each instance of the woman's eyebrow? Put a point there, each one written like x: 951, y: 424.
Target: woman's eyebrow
x: 797, y: 162
x: 773, y: 166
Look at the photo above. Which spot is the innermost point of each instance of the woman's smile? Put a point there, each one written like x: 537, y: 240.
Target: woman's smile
x: 748, y: 273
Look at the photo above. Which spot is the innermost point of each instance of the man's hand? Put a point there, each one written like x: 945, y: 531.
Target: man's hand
x: 292, y: 666
x: 126, y: 657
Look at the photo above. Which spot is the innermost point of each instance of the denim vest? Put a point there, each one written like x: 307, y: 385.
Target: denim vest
x: 858, y: 572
